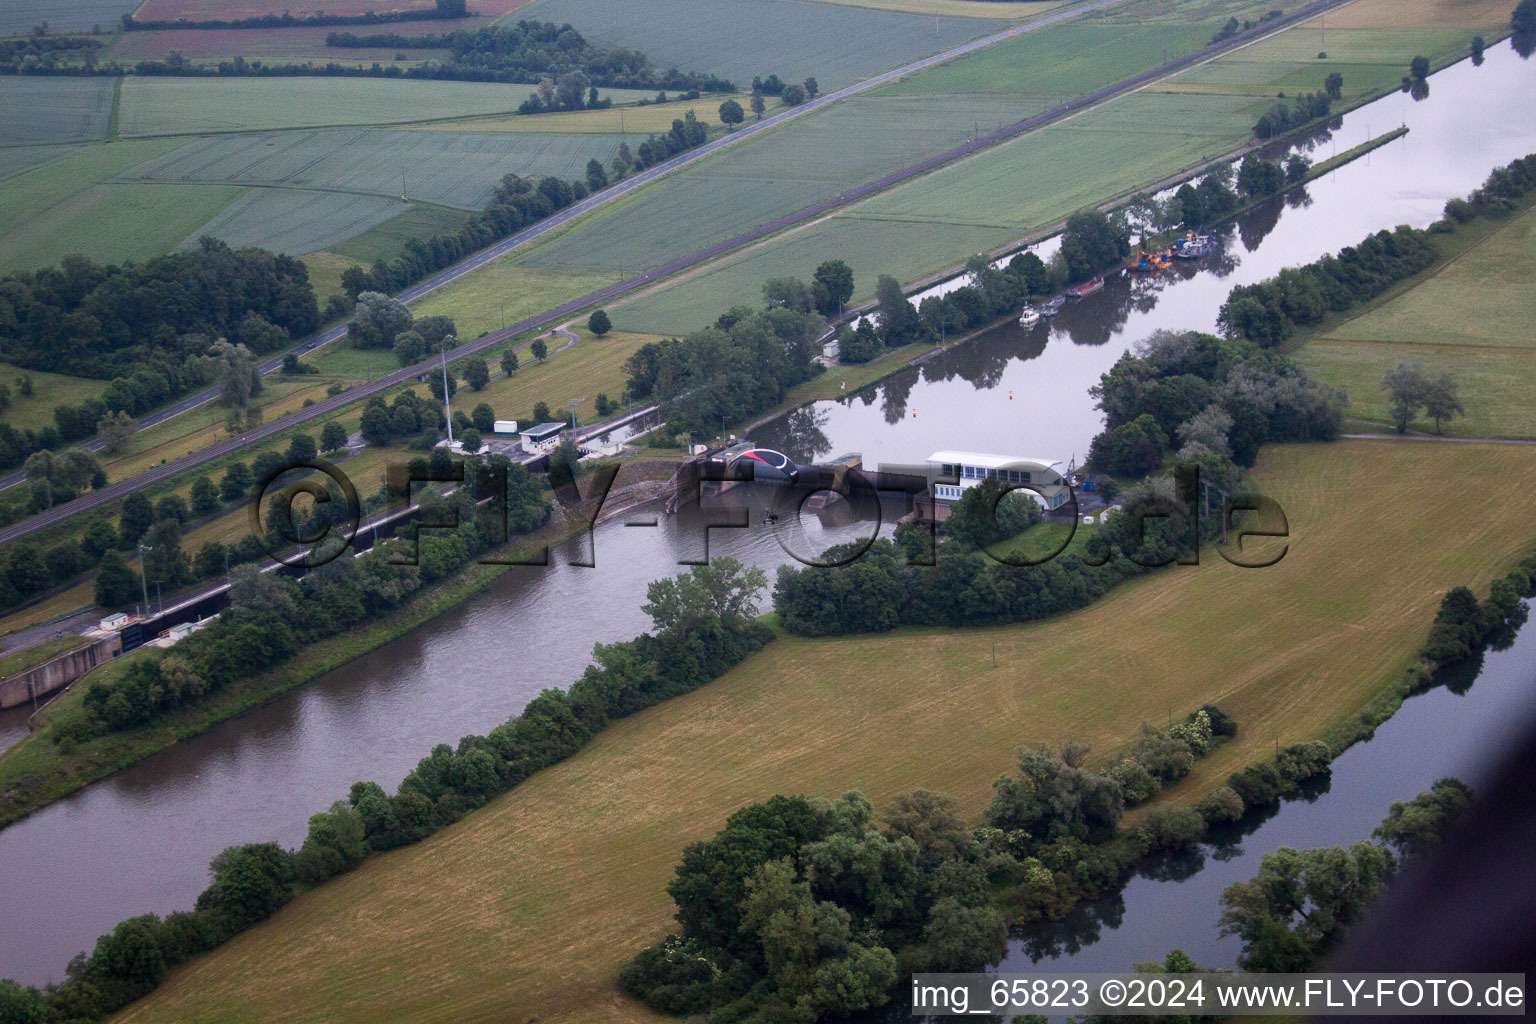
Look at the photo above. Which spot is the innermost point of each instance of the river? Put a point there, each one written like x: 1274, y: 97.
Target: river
x: 141, y: 840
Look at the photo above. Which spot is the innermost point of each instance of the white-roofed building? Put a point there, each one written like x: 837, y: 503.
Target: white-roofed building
x: 1045, y: 480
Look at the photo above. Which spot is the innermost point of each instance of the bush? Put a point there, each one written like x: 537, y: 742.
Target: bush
x: 1171, y: 828
x: 1220, y: 806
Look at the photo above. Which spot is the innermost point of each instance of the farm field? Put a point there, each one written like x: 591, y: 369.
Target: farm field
x: 18, y: 16
x: 15, y: 160
x: 869, y: 247
x: 992, y: 198
x: 892, y: 127
x: 287, y: 220
x: 652, y: 117
x: 384, y: 241
x: 77, y: 109
x: 35, y: 193
x: 1010, y: 9
x: 156, y: 106
x: 1471, y: 319
x: 536, y: 900
x: 32, y: 412
x: 114, y: 222
x: 1369, y: 42
x: 737, y: 39
x: 206, y: 10
x: 298, y: 42
x: 449, y: 168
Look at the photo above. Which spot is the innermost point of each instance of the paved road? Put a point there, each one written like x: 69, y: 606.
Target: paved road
x: 561, y: 313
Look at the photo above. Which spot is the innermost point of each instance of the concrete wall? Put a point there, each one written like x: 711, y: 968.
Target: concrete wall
x: 57, y: 673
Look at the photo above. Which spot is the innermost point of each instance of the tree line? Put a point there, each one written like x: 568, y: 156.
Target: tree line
x: 442, y: 9
x: 1270, y: 311
x: 146, y: 327
x: 801, y: 909
x: 742, y: 364
x: 516, y: 203
x: 529, y: 52
x: 1207, y: 400
x: 703, y: 624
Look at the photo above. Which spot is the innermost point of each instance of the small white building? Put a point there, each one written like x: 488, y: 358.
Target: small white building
x: 505, y: 427
x: 114, y: 622
x: 541, y: 436
x: 1045, y: 480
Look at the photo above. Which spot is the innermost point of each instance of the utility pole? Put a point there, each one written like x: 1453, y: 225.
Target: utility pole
x: 447, y: 408
x: 144, y: 577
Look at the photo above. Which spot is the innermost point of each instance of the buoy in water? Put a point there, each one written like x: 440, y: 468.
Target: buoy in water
x: 1010, y: 394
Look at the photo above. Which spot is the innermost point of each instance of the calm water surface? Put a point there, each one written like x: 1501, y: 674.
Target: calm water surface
x: 141, y: 840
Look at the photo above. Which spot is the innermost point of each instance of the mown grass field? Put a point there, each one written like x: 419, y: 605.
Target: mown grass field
x: 499, y: 294
x: 591, y: 367
x: 458, y: 169
x: 294, y: 43
x: 529, y: 906
x: 1024, y: 9
x: 35, y: 411
x: 1472, y: 319
x: 737, y: 39
x: 37, y: 110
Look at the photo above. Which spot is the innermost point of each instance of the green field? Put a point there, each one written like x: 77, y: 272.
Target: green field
x: 293, y: 221
x: 36, y: 110
x: 115, y: 222
x: 737, y: 39
x: 152, y: 106
x: 591, y: 367
x: 1369, y: 43
x: 536, y: 900
x: 870, y: 247
x: 385, y: 241
x: 500, y: 294
x: 48, y: 390
x: 450, y: 168
x: 1472, y: 319
x: 34, y: 193
x: 927, y: 113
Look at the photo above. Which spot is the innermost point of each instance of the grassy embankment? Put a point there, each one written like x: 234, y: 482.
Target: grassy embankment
x: 31, y: 657
x: 529, y: 906
x: 1470, y: 317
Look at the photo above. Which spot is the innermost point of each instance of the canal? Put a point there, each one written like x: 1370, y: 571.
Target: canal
x: 141, y: 840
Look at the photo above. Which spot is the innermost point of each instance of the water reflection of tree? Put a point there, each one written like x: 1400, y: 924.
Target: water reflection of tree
x: 1254, y: 225
x: 894, y: 397
x: 1524, y: 43
x: 1098, y: 319
x: 1419, y: 90
x: 803, y: 438
x: 1080, y: 928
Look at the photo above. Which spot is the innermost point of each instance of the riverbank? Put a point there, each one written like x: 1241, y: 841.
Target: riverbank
x: 572, y: 865
x: 37, y: 771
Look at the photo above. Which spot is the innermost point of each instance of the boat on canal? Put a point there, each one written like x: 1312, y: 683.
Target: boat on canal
x: 1029, y: 317
x: 1087, y: 288
x: 1193, y: 246
x: 1051, y: 307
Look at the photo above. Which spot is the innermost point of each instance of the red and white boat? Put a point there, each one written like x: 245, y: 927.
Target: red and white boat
x: 1087, y: 288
